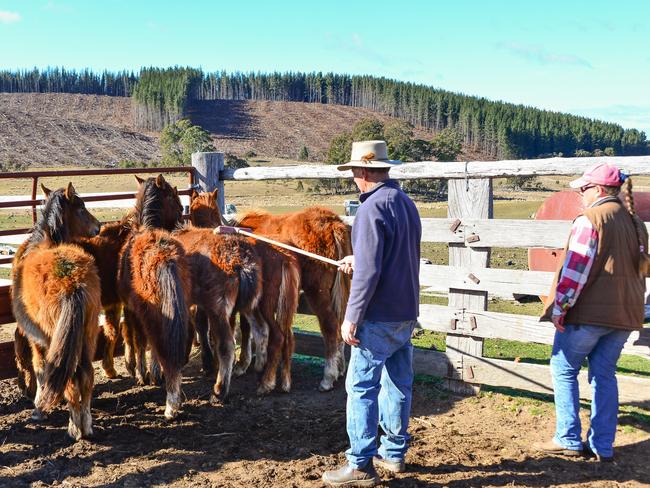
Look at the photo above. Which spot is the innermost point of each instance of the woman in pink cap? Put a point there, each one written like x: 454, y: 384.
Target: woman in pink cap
x: 595, y: 303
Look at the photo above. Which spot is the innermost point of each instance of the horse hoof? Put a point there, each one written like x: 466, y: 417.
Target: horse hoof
x: 170, y: 412
x: 217, y: 400
x: 325, y: 386
x: 285, y: 387
x: 111, y: 374
x: 74, y: 432
x: 239, y: 370
x: 38, y: 415
x: 265, y: 389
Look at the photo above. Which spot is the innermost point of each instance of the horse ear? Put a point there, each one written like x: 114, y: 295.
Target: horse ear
x: 195, y: 195
x: 139, y: 180
x: 46, y: 190
x: 215, y: 194
x: 69, y: 191
x: 160, y: 181
x: 176, y: 191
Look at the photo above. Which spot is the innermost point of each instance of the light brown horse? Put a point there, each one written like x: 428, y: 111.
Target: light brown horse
x: 56, y: 302
x: 154, y: 286
x: 277, y: 306
x: 322, y: 232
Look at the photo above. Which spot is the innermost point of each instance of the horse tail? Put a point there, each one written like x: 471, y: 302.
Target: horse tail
x: 341, y: 288
x: 250, y: 285
x: 31, y: 330
x: 175, y: 316
x: 289, y: 294
x: 65, y: 349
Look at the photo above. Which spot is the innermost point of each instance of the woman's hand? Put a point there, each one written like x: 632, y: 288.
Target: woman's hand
x: 347, y: 264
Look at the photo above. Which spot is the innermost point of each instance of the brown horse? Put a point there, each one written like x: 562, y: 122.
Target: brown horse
x: 319, y: 231
x: 56, y: 302
x: 225, y: 275
x: 105, y: 248
x: 153, y: 285
x: 278, y: 304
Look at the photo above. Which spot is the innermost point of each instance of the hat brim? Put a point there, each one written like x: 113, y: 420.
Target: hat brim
x: 389, y: 163
x: 579, y: 183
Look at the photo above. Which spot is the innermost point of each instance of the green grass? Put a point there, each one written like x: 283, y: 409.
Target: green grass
x: 525, y: 352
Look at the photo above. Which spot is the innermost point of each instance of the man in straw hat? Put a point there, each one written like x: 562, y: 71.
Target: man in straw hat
x: 379, y: 319
x: 595, y: 302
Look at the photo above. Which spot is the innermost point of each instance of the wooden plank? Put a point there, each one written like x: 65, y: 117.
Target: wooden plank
x: 495, y: 372
x: 6, y: 315
x: 467, y: 199
x: 634, y: 165
x: 513, y: 327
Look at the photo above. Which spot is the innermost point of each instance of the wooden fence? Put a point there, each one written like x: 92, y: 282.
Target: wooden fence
x: 470, y: 232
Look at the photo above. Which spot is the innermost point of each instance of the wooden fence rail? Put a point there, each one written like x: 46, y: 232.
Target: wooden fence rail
x: 465, y: 321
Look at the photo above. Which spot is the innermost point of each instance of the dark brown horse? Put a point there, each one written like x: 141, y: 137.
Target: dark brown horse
x: 225, y: 275
x: 277, y: 306
x: 105, y: 248
x: 322, y: 232
x: 154, y: 286
x: 56, y: 302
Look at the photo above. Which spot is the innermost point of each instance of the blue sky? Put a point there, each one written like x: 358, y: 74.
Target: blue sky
x: 585, y: 57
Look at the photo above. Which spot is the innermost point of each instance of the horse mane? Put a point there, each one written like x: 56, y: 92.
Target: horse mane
x: 50, y: 223
x: 148, y: 206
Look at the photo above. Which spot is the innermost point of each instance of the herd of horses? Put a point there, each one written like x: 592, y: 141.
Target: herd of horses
x: 164, y: 285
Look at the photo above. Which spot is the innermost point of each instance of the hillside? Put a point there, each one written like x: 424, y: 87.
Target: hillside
x: 45, y: 129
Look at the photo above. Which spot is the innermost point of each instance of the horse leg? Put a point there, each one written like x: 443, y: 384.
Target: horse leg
x: 260, y: 330
x: 331, y: 337
x: 207, y: 356
x: 287, y: 351
x: 245, y: 352
x: 225, y: 349
x: 155, y: 371
x: 173, y: 386
x: 274, y: 352
x: 75, y: 424
x: 38, y: 365
x: 140, y: 347
x: 111, y: 330
x: 26, y: 378
x: 86, y: 382
x: 128, y: 335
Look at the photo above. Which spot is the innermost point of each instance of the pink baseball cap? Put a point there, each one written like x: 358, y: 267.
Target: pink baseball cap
x: 599, y: 174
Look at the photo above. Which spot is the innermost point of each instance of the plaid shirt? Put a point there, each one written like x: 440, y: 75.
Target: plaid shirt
x: 583, y: 244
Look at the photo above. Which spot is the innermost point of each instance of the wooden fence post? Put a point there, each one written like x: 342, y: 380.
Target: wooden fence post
x: 468, y: 198
x: 208, y: 165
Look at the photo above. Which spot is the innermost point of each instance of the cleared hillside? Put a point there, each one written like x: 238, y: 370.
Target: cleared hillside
x: 44, y: 129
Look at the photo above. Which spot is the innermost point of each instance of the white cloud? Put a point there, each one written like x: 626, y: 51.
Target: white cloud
x: 539, y: 55
x: 9, y: 17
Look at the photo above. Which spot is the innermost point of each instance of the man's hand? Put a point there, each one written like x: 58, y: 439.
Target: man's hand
x: 348, y: 330
x: 347, y: 264
x: 558, y: 322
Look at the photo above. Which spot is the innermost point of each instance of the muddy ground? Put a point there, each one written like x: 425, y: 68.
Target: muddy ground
x: 287, y: 440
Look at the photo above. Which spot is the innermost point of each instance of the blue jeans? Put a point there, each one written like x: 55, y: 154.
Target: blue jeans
x: 379, y: 385
x: 601, y: 346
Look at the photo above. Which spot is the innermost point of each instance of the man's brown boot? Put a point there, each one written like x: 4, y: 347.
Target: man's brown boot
x: 349, y: 476
x: 551, y: 447
x: 394, y: 466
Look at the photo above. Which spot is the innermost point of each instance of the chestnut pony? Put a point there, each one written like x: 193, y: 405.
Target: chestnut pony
x: 153, y: 285
x: 326, y: 289
x: 56, y: 301
x: 274, y: 313
x: 226, y: 276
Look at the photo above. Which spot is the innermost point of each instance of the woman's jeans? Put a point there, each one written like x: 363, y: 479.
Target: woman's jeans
x: 601, y: 346
x: 379, y: 386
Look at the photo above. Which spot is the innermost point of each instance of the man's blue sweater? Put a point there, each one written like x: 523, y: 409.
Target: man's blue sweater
x: 386, y: 243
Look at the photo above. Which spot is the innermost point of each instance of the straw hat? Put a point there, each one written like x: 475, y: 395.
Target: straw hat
x: 369, y: 154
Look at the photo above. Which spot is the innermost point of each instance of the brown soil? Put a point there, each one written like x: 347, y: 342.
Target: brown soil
x: 288, y: 440
x: 45, y: 129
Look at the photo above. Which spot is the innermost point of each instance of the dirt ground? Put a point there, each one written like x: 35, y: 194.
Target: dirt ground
x: 288, y: 440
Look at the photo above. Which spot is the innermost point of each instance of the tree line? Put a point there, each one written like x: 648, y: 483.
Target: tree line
x: 498, y: 129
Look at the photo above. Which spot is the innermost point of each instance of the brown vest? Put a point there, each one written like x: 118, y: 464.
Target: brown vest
x: 613, y: 294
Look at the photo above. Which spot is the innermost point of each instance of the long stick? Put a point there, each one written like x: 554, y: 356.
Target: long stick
x: 224, y: 229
